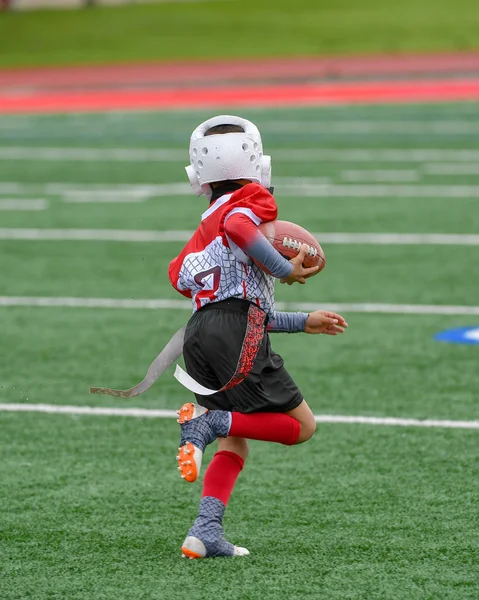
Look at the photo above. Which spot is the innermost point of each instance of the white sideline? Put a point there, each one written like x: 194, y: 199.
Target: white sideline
x: 132, y: 235
x: 171, y: 414
x: 283, y: 154
x: 158, y: 304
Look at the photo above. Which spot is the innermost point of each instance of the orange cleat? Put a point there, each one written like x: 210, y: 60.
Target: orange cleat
x: 190, y: 456
x: 189, y: 462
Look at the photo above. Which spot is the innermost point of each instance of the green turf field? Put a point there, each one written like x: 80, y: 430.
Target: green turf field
x: 93, y: 508
x: 237, y: 29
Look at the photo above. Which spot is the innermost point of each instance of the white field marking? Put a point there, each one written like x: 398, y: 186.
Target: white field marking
x: 451, y: 168
x: 385, y: 155
x: 301, y: 180
x: 386, y: 191
x: 151, y: 413
x: 134, y: 195
x: 290, y: 187
x: 381, y: 175
x: 113, y: 194
x: 105, y: 198
x: 98, y: 235
x: 294, y: 187
x: 158, y: 304
x: 306, y: 155
x: 23, y: 204
x: 368, y: 127
x: 132, y: 236
x: 11, y: 187
x: 93, y: 154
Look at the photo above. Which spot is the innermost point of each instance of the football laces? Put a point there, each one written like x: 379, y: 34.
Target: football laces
x: 295, y: 245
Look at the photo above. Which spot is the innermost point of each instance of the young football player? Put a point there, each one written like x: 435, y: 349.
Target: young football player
x: 227, y: 349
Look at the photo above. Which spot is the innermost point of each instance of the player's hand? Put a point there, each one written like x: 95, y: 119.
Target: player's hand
x: 299, y: 274
x: 324, y: 321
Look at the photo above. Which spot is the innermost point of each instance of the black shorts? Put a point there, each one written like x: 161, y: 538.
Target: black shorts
x: 213, y: 341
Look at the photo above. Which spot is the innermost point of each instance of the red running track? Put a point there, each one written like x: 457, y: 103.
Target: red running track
x: 258, y: 69
x: 465, y: 89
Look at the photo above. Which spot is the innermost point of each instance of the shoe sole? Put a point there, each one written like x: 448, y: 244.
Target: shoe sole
x: 193, y: 548
x: 189, y: 457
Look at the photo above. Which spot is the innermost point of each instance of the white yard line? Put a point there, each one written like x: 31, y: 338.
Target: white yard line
x: 125, y: 235
x: 385, y: 155
x: 102, y: 235
x: 289, y: 188
x: 387, y: 191
x: 23, y: 204
x: 447, y: 169
x: 115, y: 194
x: 294, y: 187
x: 292, y: 154
x: 381, y: 175
x: 374, y: 127
x: 92, y: 154
x: 107, y: 198
x: 12, y: 187
x: 159, y: 304
x: 171, y: 414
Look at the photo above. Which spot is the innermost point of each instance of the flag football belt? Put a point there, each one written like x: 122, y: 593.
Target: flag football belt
x: 253, y: 338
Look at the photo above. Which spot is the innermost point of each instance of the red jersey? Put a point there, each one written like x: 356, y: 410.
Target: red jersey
x: 212, y: 267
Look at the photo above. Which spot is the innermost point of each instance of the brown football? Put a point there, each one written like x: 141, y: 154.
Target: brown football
x: 288, y: 237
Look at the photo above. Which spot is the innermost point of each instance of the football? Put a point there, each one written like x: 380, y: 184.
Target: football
x: 287, y: 239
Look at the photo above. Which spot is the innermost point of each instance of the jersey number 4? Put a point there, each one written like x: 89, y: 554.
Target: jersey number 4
x: 209, y: 281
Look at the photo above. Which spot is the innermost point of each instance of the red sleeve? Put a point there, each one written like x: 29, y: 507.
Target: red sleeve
x: 174, y: 274
x: 255, y: 201
x: 241, y: 231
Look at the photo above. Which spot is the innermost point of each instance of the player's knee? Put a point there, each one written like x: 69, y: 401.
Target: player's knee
x: 306, y: 431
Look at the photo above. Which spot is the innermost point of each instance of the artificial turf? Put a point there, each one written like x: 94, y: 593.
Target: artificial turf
x: 92, y: 507
x: 228, y: 29
x: 95, y: 509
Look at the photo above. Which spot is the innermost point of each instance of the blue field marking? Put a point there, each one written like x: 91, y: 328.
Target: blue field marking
x: 461, y: 335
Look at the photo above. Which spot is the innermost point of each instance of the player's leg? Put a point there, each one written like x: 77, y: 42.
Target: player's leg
x: 266, y: 406
x: 206, y: 538
x: 307, y: 422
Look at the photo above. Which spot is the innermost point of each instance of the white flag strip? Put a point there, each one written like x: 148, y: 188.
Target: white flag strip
x: 171, y: 352
x: 190, y: 384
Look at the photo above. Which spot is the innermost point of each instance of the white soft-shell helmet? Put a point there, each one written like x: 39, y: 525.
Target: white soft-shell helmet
x: 222, y: 157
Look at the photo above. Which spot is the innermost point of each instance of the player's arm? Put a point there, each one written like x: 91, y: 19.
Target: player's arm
x: 243, y: 232
x: 288, y: 322
x: 320, y: 321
